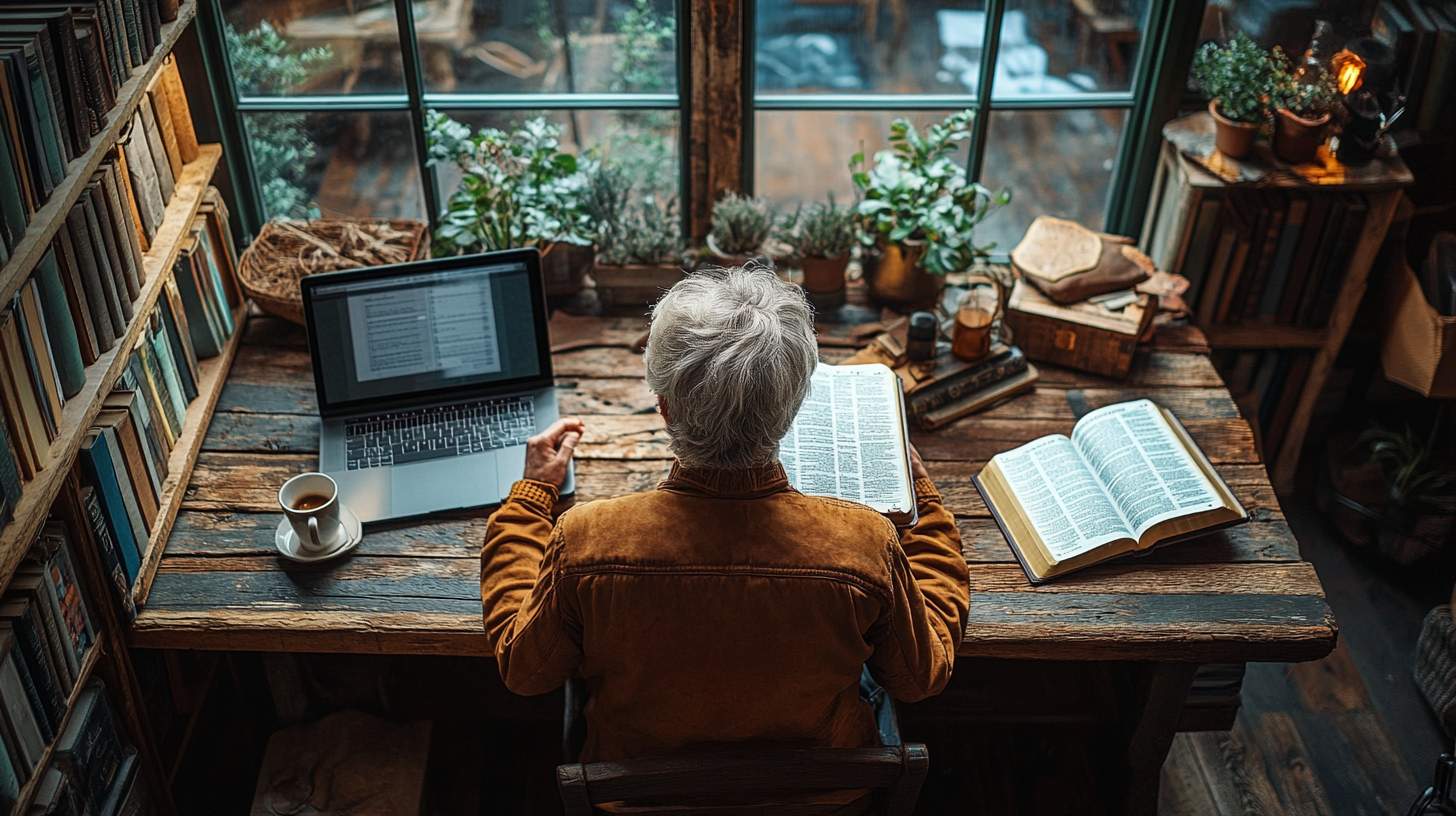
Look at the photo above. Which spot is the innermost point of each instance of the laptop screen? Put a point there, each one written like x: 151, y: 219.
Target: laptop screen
x: 407, y: 334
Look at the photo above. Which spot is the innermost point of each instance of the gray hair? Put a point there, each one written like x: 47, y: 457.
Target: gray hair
x: 731, y: 352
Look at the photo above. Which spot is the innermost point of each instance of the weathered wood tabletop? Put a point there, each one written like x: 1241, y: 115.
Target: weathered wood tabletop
x: 1239, y: 595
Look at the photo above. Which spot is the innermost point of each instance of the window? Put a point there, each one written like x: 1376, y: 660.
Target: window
x: 332, y: 95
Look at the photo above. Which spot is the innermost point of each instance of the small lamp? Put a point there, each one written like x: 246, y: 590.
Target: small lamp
x: 1363, y: 70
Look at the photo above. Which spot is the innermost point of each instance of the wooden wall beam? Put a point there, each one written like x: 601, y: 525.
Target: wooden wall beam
x: 717, y: 104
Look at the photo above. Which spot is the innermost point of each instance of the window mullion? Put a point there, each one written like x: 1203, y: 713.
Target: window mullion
x: 414, y: 83
x: 991, y: 44
x: 239, y: 158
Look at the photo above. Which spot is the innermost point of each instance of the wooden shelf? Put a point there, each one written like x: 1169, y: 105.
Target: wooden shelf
x: 80, y: 411
x: 48, y: 219
x: 211, y: 377
x: 1255, y: 336
x: 27, y: 791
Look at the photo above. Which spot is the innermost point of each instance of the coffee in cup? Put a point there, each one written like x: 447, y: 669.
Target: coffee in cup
x: 311, y: 503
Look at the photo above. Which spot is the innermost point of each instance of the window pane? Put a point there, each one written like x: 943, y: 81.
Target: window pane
x: 335, y: 164
x: 616, y: 46
x: 803, y: 156
x: 282, y: 47
x: 1066, y: 48
x: 644, y: 141
x: 908, y: 46
x: 1055, y: 162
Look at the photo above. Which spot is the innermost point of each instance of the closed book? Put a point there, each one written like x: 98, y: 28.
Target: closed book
x: 32, y: 696
x: 10, y: 484
x: 29, y: 583
x: 12, y: 402
x: 1336, y: 264
x: 175, y: 321
x: 219, y: 227
x: 134, y: 266
x: 60, y: 572
x: 76, y: 298
x: 21, y: 617
x: 136, y: 799
x: 144, y: 176
x: 90, y: 749
x: 199, y: 321
x: 135, y: 378
x: 177, y: 105
x: 155, y: 381
x: 131, y: 502
x: 38, y: 357
x: 218, y: 277
x: 1289, y: 238
x: 9, y: 781
x: 118, y: 305
x: 114, y: 263
x: 155, y: 148
x: 113, y: 562
x: 127, y: 777
x: 52, y: 795
x: 1391, y: 26
x: 20, y: 715
x: 14, y: 209
x: 1435, y: 107
x: 167, y: 364
x: 19, y: 160
x: 102, y: 319
x: 29, y: 401
x: 134, y: 469
x: 60, y: 327
x: 72, y: 126
x: 1419, y: 69
x: 97, y: 465
x: 94, y: 80
x: 128, y: 401
x: 128, y: 194
x: 132, y: 23
x: 62, y: 31
x: 157, y: 97
x: 1317, y: 232
x: 148, y: 413
x: 36, y: 93
x: 15, y: 85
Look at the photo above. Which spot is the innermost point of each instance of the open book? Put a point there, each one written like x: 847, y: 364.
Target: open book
x: 1129, y: 478
x: 850, y: 441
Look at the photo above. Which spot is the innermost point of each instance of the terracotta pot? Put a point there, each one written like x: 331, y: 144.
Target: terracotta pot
x: 1296, y: 139
x: 895, y: 278
x: 824, y: 276
x: 634, y: 284
x: 725, y: 259
x: 1233, y: 139
x: 564, y: 267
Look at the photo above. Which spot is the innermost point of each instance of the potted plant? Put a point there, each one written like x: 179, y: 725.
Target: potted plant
x: 1392, y: 492
x: 638, y: 245
x: 918, y: 212
x: 1237, y: 78
x: 741, y: 225
x: 517, y: 189
x: 822, y: 237
x: 1302, y: 105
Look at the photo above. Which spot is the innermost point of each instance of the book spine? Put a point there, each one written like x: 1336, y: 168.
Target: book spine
x: 33, y: 654
x: 96, y: 462
x: 90, y: 271
x: 76, y: 299
x: 65, y: 346
x: 21, y: 704
x: 923, y: 403
x: 111, y: 557
x: 47, y: 608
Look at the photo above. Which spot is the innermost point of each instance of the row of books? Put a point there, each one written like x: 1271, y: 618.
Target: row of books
x: 62, y: 65
x: 46, y: 632
x: 1422, y: 34
x: 94, y: 769
x: 126, y: 454
x: 1269, y: 256
x: 1267, y: 385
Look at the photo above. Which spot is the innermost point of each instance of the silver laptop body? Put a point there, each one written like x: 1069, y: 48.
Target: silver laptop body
x: 430, y: 376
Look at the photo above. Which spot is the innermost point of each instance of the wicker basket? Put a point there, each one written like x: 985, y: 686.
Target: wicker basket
x: 286, y: 251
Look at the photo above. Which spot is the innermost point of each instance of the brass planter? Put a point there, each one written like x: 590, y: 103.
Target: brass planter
x: 895, y: 278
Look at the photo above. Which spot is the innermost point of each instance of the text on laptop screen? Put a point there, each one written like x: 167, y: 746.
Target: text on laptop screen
x: 408, y: 334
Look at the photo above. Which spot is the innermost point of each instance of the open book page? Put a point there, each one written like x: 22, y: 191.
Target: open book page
x: 848, y: 440
x: 1061, y: 497
x: 1142, y: 464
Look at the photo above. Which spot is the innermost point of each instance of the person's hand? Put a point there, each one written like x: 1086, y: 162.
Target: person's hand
x: 917, y: 466
x: 548, y: 454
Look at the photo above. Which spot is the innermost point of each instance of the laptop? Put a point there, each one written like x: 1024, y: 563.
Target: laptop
x: 430, y: 376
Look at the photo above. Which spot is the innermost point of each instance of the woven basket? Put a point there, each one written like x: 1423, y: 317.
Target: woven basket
x: 273, y: 264
x: 1435, y: 665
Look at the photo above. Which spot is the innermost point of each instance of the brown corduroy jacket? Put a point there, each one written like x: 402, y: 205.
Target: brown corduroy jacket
x: 722, y: 607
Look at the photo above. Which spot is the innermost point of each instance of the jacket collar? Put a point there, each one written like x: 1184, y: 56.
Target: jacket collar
x: 744, y: 483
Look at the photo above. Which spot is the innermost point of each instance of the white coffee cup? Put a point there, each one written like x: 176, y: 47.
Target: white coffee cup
x: 311, y: 503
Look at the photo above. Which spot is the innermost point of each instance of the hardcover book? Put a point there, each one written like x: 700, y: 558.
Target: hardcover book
x: 1129, y: 478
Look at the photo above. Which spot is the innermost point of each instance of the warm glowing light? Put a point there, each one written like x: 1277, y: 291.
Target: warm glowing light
x: 1349, y: 71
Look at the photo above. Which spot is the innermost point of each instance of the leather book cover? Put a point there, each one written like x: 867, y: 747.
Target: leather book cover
x: 1323, y: 304
x: 131, y: 21
x: 1316, y: 230
x: 59, y: 42
x: 158, y: 100
x: 93, y: 82
x: 40, y: 146
x: 128, y: 193
x: 30, y: 409
x: 28, y: 189
x: 132, y: 462
x: 114, y: 279
x: 60, y: 327
x: 38, y: 40
x: 181, y: 113
x: 13, y: 400
x: 39, y: 103
x: 15, y: 211
x: 76, y: 298
x: 85, y: 254
x: 144, y: 176
x: 153, y: 450
x: 131, y: 251
x: 153, y: 19
x: 174, y: 322
x: 155, y: 147
x: 38, y: 359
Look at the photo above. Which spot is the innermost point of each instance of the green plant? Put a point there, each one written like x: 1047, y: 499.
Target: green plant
x: 1238, y: 77
x: 825, y: 231
x: 263, y: 63
x: 917, y: 192
x: 741, y: 224
x: 1309, y: 95
x: 631, y: 227
x: 643, y: 61
x: 518, y: 188
x: 1415, y: 477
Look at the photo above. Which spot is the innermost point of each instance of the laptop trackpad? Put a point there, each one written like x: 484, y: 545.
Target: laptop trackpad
x: 510, y: 463
x: 444, y: 484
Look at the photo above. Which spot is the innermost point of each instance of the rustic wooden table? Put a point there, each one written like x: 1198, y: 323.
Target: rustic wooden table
x: 1235, y: 596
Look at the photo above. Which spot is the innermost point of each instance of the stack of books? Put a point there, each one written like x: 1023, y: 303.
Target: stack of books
x: 1423, y: 36
x: 46, y: 633
x: 62, y: 65
x: 94, y: 767
x: 126, y: 455
x: 1263, y: 256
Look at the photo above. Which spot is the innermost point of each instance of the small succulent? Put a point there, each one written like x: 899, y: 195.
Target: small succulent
x: 1237, y: 76
x: 1417, y: 476
x: 1309, y: 94
x: 825, y: 231
x: 645, y: 232
x: 741, y: 224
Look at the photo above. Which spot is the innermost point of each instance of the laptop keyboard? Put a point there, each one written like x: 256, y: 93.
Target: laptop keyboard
x: 419, y: 434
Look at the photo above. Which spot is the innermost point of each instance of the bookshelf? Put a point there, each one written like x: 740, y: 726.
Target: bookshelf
x: 83, y: 676
x: 1179, y: 237
x: 80, y: 411
x: 48, y: 219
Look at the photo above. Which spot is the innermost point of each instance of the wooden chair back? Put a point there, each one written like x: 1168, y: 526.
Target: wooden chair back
x: 781, y: 781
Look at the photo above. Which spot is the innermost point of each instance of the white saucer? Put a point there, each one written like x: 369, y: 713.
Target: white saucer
x: 287, y: 541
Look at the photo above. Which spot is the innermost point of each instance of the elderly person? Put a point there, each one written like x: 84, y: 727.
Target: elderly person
x: 722, y: 606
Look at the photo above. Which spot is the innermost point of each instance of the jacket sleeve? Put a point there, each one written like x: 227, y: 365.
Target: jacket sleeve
x: 530, y: 615
x: 916, y: 637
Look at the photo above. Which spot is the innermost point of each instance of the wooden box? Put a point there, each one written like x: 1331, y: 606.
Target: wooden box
x: 1420, y: 343
x: 1083, y: 336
